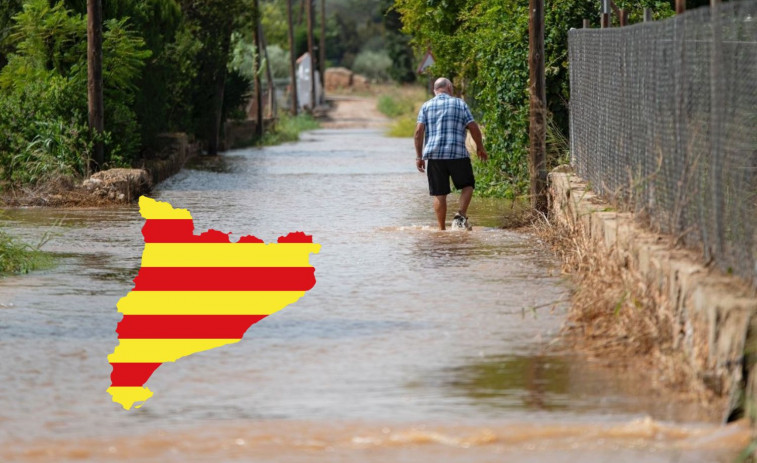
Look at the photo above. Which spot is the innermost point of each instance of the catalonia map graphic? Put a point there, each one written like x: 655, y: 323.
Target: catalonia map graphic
x: 197, y: 292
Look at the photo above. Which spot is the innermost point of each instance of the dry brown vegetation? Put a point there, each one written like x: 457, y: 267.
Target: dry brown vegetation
x: 617, y: 317
x: 105, y: 188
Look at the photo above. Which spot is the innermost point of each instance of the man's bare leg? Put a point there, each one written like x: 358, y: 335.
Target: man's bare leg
x: 440, y: 207
x: 465, y: 196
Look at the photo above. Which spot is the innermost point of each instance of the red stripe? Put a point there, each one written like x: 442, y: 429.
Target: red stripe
x: 296, y: 237
x: 179, y: 231
x: 185, y: 326
x: 131, y: 374
x: 225, y: 279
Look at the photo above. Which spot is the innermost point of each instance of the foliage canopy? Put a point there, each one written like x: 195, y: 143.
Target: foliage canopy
x: 483, y: 47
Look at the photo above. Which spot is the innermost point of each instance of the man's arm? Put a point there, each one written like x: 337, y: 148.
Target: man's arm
x: 420, y: 131
x: 475, y: 132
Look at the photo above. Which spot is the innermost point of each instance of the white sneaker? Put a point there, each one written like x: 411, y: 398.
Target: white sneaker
x: 460, y: 222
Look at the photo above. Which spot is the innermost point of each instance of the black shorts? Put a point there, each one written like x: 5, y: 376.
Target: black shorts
x: 440, y: 170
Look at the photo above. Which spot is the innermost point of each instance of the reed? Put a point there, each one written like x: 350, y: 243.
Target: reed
x: 20, y: 257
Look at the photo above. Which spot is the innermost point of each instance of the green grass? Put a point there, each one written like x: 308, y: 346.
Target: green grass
x: 402, y: 105
x: 402, y: 127
x: 391, y: 106
x: 17, y: 257
x: 288, y: 129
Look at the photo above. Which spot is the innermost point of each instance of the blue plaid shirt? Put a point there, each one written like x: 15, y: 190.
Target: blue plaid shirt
x: 445, y: 119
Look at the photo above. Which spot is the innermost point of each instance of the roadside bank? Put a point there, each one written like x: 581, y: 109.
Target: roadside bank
x: 108, y: 187
x: 640, y: 295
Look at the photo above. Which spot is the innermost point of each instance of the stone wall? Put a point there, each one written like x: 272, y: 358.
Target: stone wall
x: 174, y: 150
x: 714, y: 322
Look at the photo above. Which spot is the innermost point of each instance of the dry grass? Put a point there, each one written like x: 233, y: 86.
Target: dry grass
x: 617, y: 317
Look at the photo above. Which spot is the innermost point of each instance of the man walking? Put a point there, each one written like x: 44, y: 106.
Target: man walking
x: 442, y: 122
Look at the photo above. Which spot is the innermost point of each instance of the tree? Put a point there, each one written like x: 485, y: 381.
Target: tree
x: 212, y: 22
x: 43, y: 94
x: 8, y: 9
x: 398, y: 45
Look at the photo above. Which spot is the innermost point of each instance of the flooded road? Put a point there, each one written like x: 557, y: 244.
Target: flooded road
x: 415, y: 345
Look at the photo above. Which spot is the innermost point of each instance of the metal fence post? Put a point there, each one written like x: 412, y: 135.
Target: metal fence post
x: 716, y: 133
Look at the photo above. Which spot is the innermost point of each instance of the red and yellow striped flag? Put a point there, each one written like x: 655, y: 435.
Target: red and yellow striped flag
x: 198, y: 292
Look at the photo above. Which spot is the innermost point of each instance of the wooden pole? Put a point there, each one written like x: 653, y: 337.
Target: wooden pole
x: 292, y: 59
x: 309, y: 8
x: 605, y: 20
x: 322, y: 48
x: 538, y: 105
x: 256, y: 71
x: 95, y: 80
x: 587, y: 24
x: 680, y: 6
x: 268, y: 75
x: 302, y: 11
x: 647, y: 15
x: 623, y: 17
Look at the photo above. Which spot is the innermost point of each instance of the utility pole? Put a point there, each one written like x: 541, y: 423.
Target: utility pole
x: 95, y: 80
x: 322, y: 48
x: 309, y: 7
x: 292, y: 58
x: 256, y: 71
x: 680, y: 6
x: 538, y: 106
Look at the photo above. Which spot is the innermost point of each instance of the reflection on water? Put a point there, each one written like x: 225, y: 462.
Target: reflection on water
x: 530, y: 382
x: 408, y: 329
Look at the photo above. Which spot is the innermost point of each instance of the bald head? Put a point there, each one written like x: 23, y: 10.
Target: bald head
x: 442, y: 85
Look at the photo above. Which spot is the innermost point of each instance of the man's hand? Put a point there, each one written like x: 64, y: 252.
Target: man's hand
x: 420, y: 131
x: 475, y: 132
x: 481, y: 153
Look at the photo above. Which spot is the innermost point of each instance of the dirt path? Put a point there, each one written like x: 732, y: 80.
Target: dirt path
x: 350, y: 112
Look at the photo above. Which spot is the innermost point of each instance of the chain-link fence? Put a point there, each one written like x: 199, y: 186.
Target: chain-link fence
x: 664, y: 120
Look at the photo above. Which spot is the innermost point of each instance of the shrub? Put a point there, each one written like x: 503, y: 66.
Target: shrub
x: 403, y: 127
x: 373, y: 64
x: 43, y: 94
x: 391, y: 106
x: 288, y: 128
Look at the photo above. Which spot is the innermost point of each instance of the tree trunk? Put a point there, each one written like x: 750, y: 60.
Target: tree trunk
x: 219, y: 84
x: 95, y: 80
x: 214, y: 132
x: 268, y: 75
x: 312, y: 55
x: 322, y: 47
x: 292, y: 58
x: 256, y: 69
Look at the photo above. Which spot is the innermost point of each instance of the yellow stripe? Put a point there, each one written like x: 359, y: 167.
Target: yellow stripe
x: 161, y: 350
x: 151, y: 209
x: 228, y: 254
x: 206, y: 302
x: 126, y: 396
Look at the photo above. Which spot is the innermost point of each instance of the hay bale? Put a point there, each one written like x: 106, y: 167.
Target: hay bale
x: 360, y: 82
x: 338, y: 78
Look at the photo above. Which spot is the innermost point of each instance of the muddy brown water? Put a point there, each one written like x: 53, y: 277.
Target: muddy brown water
x: 415, y: 345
